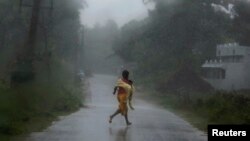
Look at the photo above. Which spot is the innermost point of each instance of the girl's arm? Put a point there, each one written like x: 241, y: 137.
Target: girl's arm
x: 115, y: 90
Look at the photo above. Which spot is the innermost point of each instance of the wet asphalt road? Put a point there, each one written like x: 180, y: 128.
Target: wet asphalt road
x: 149, y: 122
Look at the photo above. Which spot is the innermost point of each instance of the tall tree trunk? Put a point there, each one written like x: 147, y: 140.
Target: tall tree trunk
x: 24, y: 69
x: 33, y: 28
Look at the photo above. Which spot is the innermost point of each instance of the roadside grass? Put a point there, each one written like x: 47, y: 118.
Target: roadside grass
x: 25, y: 108
x: 33, y: 106
x: 218, y: 107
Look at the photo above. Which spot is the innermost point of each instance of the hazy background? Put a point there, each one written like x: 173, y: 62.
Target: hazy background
x: 102, y: 20
x: 121, y: 11
x: 46, y: 55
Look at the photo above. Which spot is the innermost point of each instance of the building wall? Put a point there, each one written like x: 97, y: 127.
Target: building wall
x: 234, y: 79
x: 237, y: 70
x: 230, y: 50
x: 235, y: 60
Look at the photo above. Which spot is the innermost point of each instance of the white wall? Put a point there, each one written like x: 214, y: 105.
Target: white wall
x: 235, y: 77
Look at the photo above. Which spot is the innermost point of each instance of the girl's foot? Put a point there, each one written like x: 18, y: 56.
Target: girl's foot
x: 129, y: 123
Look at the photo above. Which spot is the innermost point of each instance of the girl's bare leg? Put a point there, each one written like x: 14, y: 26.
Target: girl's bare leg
x: 112, y: 116
x: 126, y: 118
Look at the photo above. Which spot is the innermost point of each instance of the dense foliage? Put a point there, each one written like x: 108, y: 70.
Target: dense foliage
x: 180, y: 34
x: 57, y: 51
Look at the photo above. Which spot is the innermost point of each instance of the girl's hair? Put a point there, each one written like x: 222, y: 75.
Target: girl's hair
x: 125, y: 74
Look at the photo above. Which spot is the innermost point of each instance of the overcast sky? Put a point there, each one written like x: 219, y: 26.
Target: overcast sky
x: 122, y: 11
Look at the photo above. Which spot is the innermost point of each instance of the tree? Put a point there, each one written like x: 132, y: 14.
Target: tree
x: 174, y: 34
x: 241, y: 25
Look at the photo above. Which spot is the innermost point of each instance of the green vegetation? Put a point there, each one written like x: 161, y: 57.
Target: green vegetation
x: 201, y: 109
x: 38, y: 76
x: 175, y: 34
x: 32, y: 106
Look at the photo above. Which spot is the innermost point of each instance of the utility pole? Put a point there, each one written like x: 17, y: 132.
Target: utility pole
x: 79, y: 54
x: 82, y: 56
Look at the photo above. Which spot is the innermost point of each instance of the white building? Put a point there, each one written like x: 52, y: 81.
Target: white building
x: 230, y: 70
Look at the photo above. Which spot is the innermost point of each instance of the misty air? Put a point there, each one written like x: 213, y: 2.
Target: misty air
x: 124, y: 70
